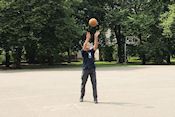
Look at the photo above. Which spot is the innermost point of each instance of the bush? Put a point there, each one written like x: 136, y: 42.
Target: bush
x: 2, y: 57
x: 107, y: 53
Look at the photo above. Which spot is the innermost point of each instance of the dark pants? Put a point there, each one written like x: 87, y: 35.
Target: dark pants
x: 84, y: 77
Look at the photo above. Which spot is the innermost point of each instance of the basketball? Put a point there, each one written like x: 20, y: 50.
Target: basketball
x: 93, y: 22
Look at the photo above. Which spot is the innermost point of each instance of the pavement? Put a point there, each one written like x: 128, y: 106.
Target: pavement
x: 135, y: 91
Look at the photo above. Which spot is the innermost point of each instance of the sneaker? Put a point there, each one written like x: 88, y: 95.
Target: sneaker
x: 95, y: 101
x: 81, y: 99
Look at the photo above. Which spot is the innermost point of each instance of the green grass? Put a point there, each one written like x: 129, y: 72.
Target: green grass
x: 96, y: 62
x: 172, y: 59
x: 105, y: 63
x: 99, y: 64
x: 134, y: 60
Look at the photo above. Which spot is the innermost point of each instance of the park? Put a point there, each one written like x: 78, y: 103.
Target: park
x: 87, y: 58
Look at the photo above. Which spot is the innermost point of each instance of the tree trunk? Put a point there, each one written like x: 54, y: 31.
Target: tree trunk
x: 69, y: 55
x: 168, y: 59
x: 120, y: 43
x: 169, y: 52
x: 18, y: 57
x: 31, y: 51
x: 143, y: 60
x: 100, y: 54
x: 143, y: 54
x: 7, y: 63
x: 50, y: 60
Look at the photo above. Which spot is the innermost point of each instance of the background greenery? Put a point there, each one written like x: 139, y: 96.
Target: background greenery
x: 52, y: 31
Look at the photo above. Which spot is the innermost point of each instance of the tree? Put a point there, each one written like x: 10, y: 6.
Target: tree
x: 88, y: 9
x: 143, y: 21
x: 39, y: 28
x: 168, y: 25
x: 12, y: 29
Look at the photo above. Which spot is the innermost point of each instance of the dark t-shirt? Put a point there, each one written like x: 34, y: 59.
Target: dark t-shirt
x: 88, y: 59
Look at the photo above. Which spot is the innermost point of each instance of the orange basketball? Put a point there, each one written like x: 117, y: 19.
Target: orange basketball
x: 93, y: 22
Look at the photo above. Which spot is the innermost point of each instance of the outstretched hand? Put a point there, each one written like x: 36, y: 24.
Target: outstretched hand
x: 88, y: 35
x: 96, y: 39
x: 96, y: 34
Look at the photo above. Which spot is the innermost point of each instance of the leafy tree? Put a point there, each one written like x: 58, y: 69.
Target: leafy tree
x: 12, y: 29
x: 41, y: 28
x: 92, y: 9
x: 168, y: 26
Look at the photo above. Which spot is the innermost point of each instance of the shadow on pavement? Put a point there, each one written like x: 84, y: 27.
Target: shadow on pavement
x: 113, y: 103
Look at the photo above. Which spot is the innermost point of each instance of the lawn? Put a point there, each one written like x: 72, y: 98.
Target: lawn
x: 173, y: 60
x: 66, y: 65
x: 132, y: 61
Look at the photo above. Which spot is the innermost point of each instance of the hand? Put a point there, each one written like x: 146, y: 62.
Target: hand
x: 96, y: 34
x: 88, y: 35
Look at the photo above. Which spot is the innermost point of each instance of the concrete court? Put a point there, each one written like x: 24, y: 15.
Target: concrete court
x: 137, y: 91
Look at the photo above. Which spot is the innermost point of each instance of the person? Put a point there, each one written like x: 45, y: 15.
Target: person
x: 88, y: 67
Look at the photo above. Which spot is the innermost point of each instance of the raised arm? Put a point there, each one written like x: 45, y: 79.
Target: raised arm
x: 88, y: 35
x: 96, y: 40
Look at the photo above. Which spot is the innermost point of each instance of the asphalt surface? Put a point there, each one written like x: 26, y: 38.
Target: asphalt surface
x: 138, y: 91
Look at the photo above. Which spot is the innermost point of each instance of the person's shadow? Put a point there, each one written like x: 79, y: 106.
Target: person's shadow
x: 116, y: 103
x: 112, y: 103
x: 122, y: 104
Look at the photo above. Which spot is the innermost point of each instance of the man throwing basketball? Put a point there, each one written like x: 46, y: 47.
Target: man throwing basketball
x: 89, y: 66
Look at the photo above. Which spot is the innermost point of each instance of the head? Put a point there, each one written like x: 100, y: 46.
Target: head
x: 89, y: 46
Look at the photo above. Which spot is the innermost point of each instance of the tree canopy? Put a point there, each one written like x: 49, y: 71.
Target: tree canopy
x: 45, y: 31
